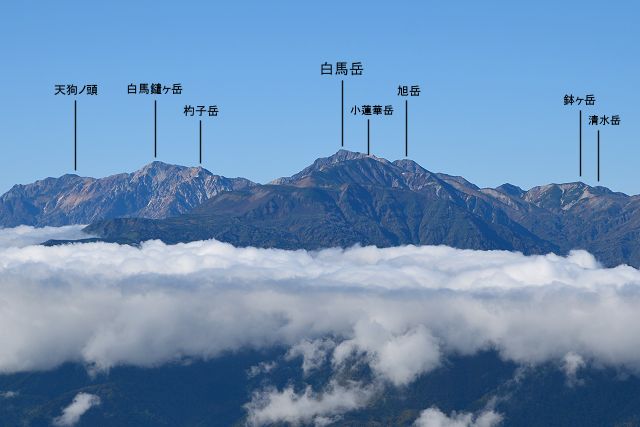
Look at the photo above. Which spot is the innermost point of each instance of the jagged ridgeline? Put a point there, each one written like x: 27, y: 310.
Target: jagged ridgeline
x: 158, y: 190
x: 345, y: 199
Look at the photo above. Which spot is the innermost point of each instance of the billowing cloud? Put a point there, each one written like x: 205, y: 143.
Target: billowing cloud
x: 398, y: 357
x: 261, y: 368
x: 571, y: 364
x: 433, y: 417
x: 399, y: 310
x: 8, y: 394
x: 76, y: 409
x: 25, y: 235
x: 314, y: 353
x: 271, y: 406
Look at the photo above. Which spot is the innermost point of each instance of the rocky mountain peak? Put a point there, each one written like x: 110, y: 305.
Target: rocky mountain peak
x: 410, y: 166
x: 563, y: 196
x: 511, y: 190
x: 158, y: 169
x: 343, y: 155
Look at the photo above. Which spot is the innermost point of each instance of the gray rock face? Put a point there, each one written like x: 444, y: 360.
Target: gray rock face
x: 158, y: 190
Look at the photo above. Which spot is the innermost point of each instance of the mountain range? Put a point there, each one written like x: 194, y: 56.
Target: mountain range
x: 345, y: 199
x: 158, y: 190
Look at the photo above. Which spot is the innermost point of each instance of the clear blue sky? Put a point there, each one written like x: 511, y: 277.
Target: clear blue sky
x: 493, y: 75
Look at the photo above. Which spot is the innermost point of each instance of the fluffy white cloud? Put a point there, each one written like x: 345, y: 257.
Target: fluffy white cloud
x: 314, y: 353
x: 400, y: 310
x: 25, y: 235
x: 271, y: 406
x: 261, y: 369
x: 72, y: 413
x: 433, y: 417
x: 8, y: 394
x: 571, y: 364
x: 398, y: 357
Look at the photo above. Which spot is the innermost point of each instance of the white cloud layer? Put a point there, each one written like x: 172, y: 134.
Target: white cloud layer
x: 72, y: 413
x: 433, y: 417
x: 271, y: 406
x: 401, y: 310
x: 24, y: 235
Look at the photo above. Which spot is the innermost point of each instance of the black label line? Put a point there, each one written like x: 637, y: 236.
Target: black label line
x: 155, y: 128
x: 406, y: 128
x: 598, y: 156
x: 75, y: 135
x: 580, y: 143
x: 200, y: 141
x: 342, y: 114
x: 368, y: 138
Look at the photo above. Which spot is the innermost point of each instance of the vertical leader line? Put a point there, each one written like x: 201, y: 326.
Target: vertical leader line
x: 406, y: 128
x: 155, y: 128
x: 75, y: 135
x: 598, y: 156
x: 580, y: 143
x: 200, y: 141
x: 368, y: 138
x: 342, y: 113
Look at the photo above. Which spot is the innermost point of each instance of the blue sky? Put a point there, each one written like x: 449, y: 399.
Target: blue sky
x: 493, y: 75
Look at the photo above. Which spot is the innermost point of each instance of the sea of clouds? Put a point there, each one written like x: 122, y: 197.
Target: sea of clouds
x: 400, y: 310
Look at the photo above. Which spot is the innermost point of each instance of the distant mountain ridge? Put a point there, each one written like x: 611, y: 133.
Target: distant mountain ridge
x: 341, y: 200
x: 352, y: 198
x: 158, y: 190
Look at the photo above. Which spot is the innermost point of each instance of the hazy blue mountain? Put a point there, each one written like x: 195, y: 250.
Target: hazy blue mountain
x: 158, y: 190
x: 351, y: 198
